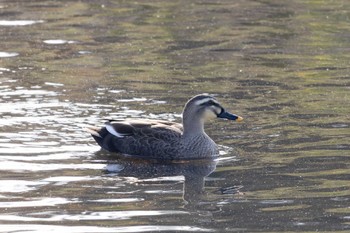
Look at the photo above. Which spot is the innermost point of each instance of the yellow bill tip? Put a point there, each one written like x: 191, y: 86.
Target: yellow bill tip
x: 239, y: 119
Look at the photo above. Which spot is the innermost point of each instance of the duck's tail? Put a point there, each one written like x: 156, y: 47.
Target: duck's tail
x: 98, y: 133
x: 94, y: 131
x: 103, y: 138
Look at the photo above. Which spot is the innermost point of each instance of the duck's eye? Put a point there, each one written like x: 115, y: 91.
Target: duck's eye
x: 210, y: 103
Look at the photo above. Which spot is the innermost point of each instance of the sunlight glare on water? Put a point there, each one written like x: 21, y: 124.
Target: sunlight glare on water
x: 58, y: 41
x: 19, y: 22
x: 86, y: 229
x: 8, y: 54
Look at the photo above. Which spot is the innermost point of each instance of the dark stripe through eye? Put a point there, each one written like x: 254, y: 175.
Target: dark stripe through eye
x: 210, y: 103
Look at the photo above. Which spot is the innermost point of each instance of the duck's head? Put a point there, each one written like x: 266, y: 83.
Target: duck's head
x: 203, y: 107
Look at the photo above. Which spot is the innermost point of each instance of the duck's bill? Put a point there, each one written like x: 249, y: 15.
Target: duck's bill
x: 230, y: 116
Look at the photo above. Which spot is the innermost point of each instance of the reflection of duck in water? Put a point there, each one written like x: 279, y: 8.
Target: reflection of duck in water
x: 194, y: 172
x: 163, y: 139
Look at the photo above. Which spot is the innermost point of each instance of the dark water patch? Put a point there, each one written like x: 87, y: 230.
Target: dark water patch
x: 236, y: 95
x: 112, y: 39
x: 160, y: 82
x: 46, y: 5
x: 327, y: 68
x: 330, y: 147
x: 280, y: 36
x: 253, y: 53
x: 300, y: 140
x: 263, y: 83
x: 225, y: 50
x: 184, y: 45
x: 333, y: 125
x: 221, y: 11
x: 275, y: 63
x: 328, y: 85
x: 316, y: 163
x: 81, y: 15
x: 310, y: 116
x: 272, y: 107
x: 6, y: 14
x: 285, y: 14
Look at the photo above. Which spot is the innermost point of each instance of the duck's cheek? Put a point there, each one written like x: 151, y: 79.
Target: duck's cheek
x: 209, y: 114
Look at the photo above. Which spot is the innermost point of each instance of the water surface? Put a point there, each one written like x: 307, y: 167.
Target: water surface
x: 282, y: 65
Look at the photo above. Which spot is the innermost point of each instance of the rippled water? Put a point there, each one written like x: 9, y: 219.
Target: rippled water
x: 282, y: 65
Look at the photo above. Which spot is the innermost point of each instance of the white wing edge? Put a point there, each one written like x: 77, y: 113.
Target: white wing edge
x: 112, y: 131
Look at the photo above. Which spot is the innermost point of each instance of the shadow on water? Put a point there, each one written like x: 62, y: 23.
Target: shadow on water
x: 193, y: 171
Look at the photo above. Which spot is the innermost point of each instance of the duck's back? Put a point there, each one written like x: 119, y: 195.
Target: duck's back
x: 151, y: 138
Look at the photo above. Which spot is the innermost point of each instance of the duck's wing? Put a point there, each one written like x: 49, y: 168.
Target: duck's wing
x: 148, y: 128
x: 137, y: 137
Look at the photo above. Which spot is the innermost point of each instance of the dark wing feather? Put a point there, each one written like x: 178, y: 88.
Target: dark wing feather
x: 123, y: 128
x: 140, y: 137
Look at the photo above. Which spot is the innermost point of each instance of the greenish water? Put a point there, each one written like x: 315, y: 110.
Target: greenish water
x: 282, y: 65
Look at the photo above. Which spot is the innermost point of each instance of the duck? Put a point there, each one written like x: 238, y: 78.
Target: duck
x: 165, y: 140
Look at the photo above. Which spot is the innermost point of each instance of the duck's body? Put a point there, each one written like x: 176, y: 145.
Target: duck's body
x: 155, y: 139
x: 164, y: 139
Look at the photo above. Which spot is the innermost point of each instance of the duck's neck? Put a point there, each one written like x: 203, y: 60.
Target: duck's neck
x: 192, y: 127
